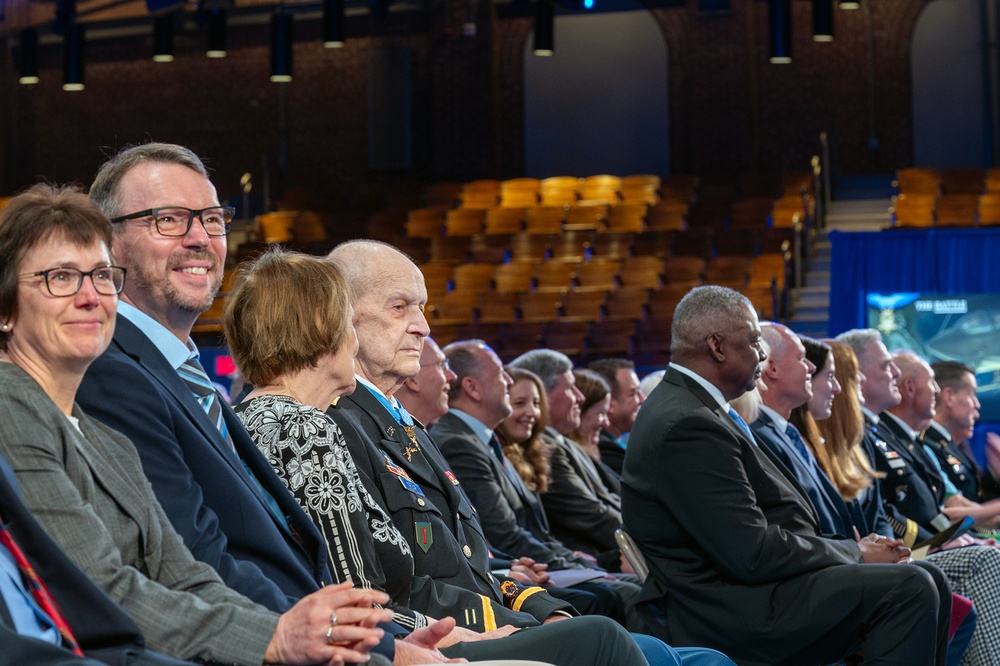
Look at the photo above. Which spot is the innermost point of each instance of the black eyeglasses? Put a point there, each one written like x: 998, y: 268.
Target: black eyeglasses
x: 64, y: 281
x: 177, y: 220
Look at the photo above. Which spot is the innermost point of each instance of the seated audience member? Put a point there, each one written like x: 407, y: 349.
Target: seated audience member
x: 583, y: 513
x: 593, y: 421
x: 515, y: 522
x: 288, y: 323
x: 626, y: 399
x: 832, y: 418
x: 787, y: 374
x: 83, y: 481
x: 758, y: 580
x: 520, y: 435
x: 51, y: 614
x: 800, y: 374
x: 401, y: 466
x: 955, y: 416
x: 218, y: 491
x: 651, y: 381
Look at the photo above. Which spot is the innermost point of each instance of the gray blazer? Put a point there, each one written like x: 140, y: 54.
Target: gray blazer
x: 90, y: 495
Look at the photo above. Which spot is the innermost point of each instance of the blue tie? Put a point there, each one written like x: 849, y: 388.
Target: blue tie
x: 800, y: 445
x: 204, y: 391
x: 741, y: 423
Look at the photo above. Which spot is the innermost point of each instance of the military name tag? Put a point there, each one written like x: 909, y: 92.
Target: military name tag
x: 410, y: 485
x: 896, y: 463
x: 425, y: 536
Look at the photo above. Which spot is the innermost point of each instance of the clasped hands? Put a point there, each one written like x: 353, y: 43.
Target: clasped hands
x: 878, y: 549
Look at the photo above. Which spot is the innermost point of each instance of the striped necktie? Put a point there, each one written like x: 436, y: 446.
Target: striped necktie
x: 204, y: 391
x: 39, y: 592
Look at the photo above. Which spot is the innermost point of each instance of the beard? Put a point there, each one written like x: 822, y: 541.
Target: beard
x: 142, y: 277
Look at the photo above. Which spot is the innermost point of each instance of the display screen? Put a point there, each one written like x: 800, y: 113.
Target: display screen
x: 946, y: 327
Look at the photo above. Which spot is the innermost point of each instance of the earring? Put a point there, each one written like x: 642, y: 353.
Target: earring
x: 5, y: 328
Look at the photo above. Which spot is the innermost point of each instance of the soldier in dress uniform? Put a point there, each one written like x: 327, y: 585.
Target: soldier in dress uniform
x: 948, y: 434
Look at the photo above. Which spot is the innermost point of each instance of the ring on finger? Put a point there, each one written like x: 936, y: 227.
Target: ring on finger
x: 329, y: 635
x: 333, y: 618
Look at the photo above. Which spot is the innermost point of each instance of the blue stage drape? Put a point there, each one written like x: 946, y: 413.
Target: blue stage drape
x: 930, y: 261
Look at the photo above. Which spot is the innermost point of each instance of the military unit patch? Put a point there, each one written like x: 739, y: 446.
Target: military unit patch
x: 425, y: 536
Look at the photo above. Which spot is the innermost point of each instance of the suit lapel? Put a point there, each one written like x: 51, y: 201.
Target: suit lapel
x: 682, y: 380
x: 789, y: 476
x: 106, y: 469
x: 136, y: 345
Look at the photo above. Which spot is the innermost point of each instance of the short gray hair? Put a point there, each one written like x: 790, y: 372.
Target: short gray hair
x: 548, y: 364
x: 703, y: 311
x: 859, y: 339
x: 105, y: 190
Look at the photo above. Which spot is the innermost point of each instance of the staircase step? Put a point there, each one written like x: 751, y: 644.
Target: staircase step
x: 818, y: 265
x: 819, y: 279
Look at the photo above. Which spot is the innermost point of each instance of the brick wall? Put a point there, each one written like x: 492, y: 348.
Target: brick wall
x: 730, y: 109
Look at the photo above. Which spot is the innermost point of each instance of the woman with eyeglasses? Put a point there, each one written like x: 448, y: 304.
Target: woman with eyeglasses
x: 84, y: 482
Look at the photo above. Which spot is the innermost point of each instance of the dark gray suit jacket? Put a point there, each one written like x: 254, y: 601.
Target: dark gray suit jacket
x: 584, y: 514
x: 734, y: 550
x: 89, y: 493
x: 504, y: 514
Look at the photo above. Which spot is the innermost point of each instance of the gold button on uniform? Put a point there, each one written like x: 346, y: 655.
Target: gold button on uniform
x: 420, y: 501
x: 467, y: 551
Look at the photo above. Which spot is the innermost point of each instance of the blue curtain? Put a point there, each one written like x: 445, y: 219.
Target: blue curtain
x: 938, y: 261
x: 932, y: 261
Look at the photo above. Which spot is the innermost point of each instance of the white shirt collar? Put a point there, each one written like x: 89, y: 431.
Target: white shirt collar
x: 906, y: 428
x: 780, y: 422
x: 390, y: 398
x: 705, y: 384
x: 940, y: 429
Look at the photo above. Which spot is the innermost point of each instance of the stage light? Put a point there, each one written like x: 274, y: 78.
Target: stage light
x: 334, y: 29
x: 281, y: 47
x: 216, y: 34
x: 544, y: 28
x: 28, y: 44
x: 822, y: 20
x: 163, y: 38
x: 779, y: 20
x: 73, y: 51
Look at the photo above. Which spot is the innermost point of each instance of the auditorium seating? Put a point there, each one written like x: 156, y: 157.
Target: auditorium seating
x: 601, y: 257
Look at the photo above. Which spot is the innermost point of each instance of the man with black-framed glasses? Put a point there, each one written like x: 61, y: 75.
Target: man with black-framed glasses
x: 219, y: 492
